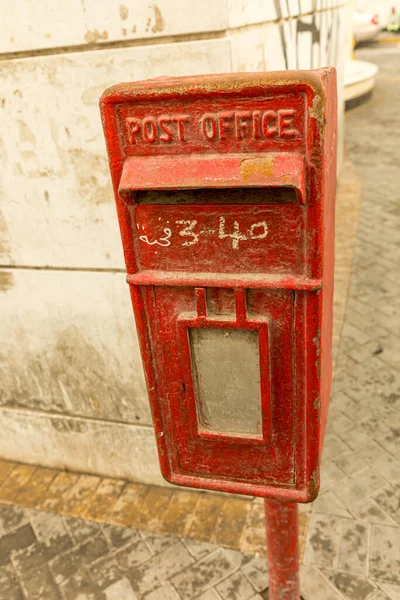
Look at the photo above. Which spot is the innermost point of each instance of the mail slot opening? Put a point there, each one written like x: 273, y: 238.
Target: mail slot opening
x: 226, y: 378
x: 256, y: 195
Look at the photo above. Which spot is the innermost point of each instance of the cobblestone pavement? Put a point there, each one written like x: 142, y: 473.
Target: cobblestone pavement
x: 353, y: 542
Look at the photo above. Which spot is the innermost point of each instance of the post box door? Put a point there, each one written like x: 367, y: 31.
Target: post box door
x: 228, y: 360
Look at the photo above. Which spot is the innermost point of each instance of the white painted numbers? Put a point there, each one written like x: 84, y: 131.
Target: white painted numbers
x: 191, y: 234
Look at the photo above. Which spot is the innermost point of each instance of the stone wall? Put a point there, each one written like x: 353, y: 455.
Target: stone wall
x: 72, y: 392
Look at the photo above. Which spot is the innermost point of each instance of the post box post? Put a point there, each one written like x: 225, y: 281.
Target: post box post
x: 225, y: 191
x: 281, y: 520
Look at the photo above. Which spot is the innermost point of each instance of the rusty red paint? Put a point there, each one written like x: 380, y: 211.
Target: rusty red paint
x: 202, y: 251
x: 282, y: 528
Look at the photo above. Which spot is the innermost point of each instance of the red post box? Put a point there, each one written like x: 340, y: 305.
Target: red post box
x: 225, y: 189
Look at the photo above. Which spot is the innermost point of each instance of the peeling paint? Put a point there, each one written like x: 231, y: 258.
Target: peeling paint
x: 123, y: 12
x: 71, y: 377
x: 159, y: 21
x: 6, y: 281
x: 92, y: 36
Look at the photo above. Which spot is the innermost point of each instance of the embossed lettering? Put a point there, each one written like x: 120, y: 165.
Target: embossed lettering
x: 134, y: 128
x: 243, y: 117
x: 225, y: 122
x: 209, y: 126
x: 285, y: 123
x: 149, y: 129
x: 164, y: 123
x: 269, y: 123
x: 257, y: 124
x: 181, y: 120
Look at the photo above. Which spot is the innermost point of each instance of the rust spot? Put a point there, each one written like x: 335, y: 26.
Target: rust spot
x: 123, y: 12
x: 92, y: 36
x: 313, y: 484
x: 257, y: 166
x: 317, y: 403
x: 6, y: 281
x: 159, y: 21
x: 317, y: 109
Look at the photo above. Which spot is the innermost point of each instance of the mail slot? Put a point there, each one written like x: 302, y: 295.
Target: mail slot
x: 225, y: 189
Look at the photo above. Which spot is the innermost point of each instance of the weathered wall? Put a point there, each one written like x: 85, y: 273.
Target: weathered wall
x: 71, y: 384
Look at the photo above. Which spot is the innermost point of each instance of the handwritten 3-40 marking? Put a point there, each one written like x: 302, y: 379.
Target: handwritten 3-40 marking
x: 188, y: 231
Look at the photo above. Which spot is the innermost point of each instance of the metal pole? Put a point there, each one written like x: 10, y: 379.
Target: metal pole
x: 282, y: 525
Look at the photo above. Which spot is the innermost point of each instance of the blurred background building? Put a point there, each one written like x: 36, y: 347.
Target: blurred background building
x: 72, y: 392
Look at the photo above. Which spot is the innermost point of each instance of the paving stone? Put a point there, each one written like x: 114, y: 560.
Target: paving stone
x: 370, y: 511
x: 352, y: 588
x: 235, y: 587
x: 165, y: 592
x: 389, y: 501
x: 379, y: 596
x: 158, y: 543
x: 331, y: 475
x: 314, y: 585
x: 16, y: 479
x: 50, y: 530
x: 80, y: 587
x: 200, y: 549
x: 82, y: 530
x: 105, y: 571
x: 59, y: 487
x: 359, y: 487
x: 12, y: 517
x: 353, y: 547
x: 208, y: 572
x: 351, y: 463
x: 120, y: 536
x: 36, y: 486
x: 32, y: 557
x: 132, y: 555
x: 230, y: 524
x: 75, y: 501
x: 384, y: 563
x: 238, y: 558
x: 323, y: 540
x: 68, y: 564
x: 159, y: 569
x: 206, y: 515
x: 256, y: 573
x: 39, y: 585
x: 16, y: 540
x: 393, y: 591
x: 178, y: 514
x: 9, y: 584
x: 152, y: 509
x: 102, y: 500
x: 5, y: 469
x: 126, y: 508
x: 120, y: 590
x: 333, y: 447
x: 209, y: 595
x: 253, y: 541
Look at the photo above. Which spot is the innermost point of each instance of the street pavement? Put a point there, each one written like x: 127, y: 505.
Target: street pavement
x: 352, y: 549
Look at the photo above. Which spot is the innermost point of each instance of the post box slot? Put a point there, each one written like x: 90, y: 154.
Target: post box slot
x: 268, y: 195
x: 267, y: 170
x: 226, y: 371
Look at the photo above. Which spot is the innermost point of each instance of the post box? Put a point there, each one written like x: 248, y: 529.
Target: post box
x: 225, y: 190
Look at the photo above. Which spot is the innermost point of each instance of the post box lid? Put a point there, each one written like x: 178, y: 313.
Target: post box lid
x: 213, y: 171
